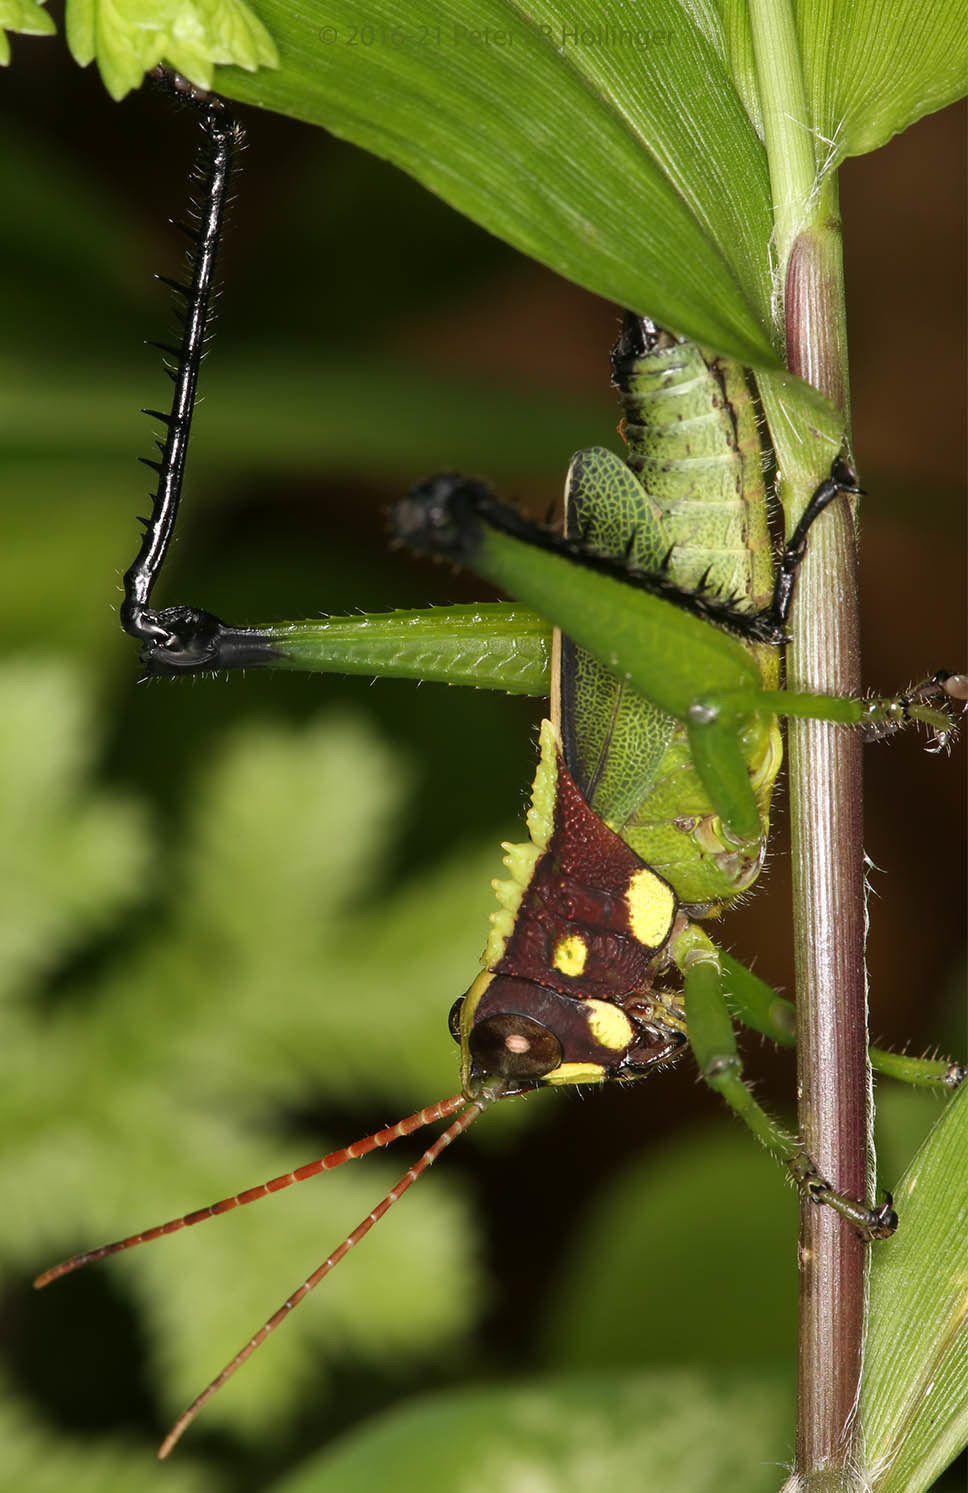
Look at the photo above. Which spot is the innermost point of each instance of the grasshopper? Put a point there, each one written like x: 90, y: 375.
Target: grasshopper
x: 663, y: 726
x: 650, y: 806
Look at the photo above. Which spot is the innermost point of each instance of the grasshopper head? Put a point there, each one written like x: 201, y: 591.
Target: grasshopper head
x: 514, y: 1029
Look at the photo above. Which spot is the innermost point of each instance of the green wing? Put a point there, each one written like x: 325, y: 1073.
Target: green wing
x: 614, y: 740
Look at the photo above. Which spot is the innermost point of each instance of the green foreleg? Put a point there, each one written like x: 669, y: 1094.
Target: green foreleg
x: 714, y: 1045
x: 713, y: 1041
x: 714, y: 719
x: 714, y: 747
x: 878, y: 717
x: 921, y: 1073
x: 758, y: 1006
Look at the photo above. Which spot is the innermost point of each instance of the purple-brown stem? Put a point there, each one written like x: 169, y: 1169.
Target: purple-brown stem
x: 828, y: 879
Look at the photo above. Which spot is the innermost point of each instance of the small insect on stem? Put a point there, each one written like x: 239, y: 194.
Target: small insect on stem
x: 469, y: 1110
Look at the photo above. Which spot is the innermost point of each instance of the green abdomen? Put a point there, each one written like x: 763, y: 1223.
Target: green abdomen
x: 698, y: 510
x: 690, y: 426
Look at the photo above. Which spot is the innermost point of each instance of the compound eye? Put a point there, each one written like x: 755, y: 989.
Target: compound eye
x: 512, y: 1046
x: 453, y: 1018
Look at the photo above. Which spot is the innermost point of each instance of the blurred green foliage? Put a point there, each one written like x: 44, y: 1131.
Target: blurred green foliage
x: 247, y: 928
x: 682, y: 1429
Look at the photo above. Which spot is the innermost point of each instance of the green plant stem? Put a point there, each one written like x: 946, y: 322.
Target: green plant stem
x: 789, y: 144
x: 826, y: 812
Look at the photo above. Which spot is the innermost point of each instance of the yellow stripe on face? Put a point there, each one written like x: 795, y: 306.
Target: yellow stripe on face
x: 652, y: 908
x: 609, y: 1025
x: 467, y: 1011
x: 570, y: 955
x: 576, y: 1073
x: 471, y: 1002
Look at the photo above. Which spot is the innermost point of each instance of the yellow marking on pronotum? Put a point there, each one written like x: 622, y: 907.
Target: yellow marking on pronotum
x: 570, y: 955
x: 651, y: 906
x: 575, y: 1073
x: 609, y: 1024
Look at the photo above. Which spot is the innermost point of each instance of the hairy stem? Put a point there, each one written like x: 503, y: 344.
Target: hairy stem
x: 826, y: 803
x: 828, y: 880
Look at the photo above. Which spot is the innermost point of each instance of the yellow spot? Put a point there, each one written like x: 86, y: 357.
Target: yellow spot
x: 609, y: 1025
x: 652, y: 907
x: 570, y: 955
x: 576, y: 1073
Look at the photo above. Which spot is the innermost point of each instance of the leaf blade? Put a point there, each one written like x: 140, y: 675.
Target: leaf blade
x: 915, y: 1386
x: 648, y: 185
x: 873, y: 70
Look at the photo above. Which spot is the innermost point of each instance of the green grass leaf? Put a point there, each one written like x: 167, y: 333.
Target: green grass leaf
x: 617, y: 152
x: 914, y: 1394
x: 871, y: 70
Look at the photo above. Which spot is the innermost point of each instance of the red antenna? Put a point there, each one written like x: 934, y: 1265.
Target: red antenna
x: 470, y: 1110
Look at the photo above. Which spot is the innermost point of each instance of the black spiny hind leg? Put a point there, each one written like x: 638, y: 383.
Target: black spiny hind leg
x: 221, y: 138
